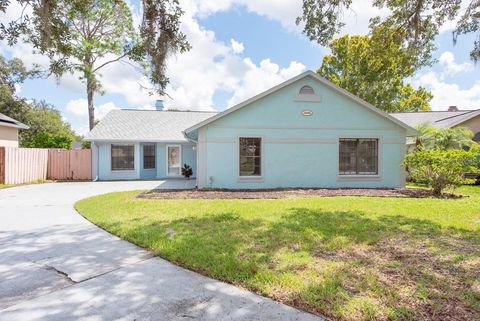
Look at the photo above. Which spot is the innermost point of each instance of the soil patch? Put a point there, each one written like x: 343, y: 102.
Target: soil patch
x: 287, y: 193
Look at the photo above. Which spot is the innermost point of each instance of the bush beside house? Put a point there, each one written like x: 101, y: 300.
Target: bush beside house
x: 442, y: 158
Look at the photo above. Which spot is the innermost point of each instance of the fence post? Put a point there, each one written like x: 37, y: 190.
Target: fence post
x: 2, y: 165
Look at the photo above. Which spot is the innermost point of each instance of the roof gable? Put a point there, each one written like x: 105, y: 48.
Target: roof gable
x: 322, y: 81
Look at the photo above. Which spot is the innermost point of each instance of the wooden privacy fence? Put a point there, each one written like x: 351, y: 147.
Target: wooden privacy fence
x: 69, y: 164
x: 24, y: 165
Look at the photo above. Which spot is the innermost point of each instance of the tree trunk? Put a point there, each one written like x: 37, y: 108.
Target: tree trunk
x: 91, y: 108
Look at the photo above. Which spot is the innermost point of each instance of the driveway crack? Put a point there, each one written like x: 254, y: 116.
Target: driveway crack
x: 63, y: 274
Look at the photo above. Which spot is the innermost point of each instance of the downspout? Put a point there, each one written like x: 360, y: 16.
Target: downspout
x: 97, y: 161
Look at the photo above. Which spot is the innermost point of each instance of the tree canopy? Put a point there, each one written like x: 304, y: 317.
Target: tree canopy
x: 441, y: 168
x: 444, y: 138
x: 375, y: 68
x: 47, y: 128
x: 443, y: 156
x: 419, y: 21
x: 87, y: 35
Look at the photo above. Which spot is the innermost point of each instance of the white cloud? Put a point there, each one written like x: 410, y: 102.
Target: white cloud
x: 78, y: 108
x: 450, y: 67
x: 284, y: 11
x: 446, y: 93
x: 257, y: 79
x: 356, y: 18
x: 237, y: 47
x: 77, y: 113
x: 450, y: 25
x: 18, y: 88
x: 211, y: 65
x: 449, y: 94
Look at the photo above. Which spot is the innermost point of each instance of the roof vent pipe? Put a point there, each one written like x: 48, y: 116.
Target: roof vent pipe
x: 452, y: 108
x: 159, y: 105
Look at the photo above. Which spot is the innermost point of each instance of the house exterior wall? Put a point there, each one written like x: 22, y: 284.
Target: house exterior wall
x: 104, y: 161
x: 298, y: 150
x: 8, y: 136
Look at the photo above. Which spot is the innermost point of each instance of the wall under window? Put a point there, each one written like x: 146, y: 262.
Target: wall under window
x: 105, y: 171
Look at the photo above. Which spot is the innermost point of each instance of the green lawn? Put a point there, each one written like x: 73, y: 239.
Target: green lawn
x: 347, y: 258
x: 39, y: 181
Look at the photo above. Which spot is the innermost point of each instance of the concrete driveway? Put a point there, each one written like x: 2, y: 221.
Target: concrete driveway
x: 55, y: 265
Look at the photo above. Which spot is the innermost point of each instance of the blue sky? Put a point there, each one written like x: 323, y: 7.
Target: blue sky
x: 240, y: 48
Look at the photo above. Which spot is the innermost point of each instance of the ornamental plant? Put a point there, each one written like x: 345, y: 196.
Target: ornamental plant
x: 442, y: 168
x: 187, y: 171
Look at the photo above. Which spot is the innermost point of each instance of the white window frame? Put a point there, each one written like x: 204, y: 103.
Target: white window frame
x: 180, y: 160
x: 253, y: 178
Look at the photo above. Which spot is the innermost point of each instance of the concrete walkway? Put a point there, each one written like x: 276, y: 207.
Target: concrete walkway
x: 55, y: 265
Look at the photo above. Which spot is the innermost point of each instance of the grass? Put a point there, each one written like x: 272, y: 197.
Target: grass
x: 38, y: 181
x: 346, y: 258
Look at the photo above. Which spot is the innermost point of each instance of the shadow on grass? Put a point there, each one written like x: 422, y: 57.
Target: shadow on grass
x: 391, y: 265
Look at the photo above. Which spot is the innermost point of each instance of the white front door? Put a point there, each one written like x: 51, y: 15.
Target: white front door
x: 174, y: 160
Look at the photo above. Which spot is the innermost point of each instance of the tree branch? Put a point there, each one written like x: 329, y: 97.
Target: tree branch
x: 110, y: 61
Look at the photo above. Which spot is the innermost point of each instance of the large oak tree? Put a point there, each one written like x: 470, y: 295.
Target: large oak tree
x: 375, y: 68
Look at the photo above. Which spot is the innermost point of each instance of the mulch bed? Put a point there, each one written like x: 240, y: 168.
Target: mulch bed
x: 287, y: 193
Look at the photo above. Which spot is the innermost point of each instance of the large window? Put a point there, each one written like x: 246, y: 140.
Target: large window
x: 250, y: 156
x: 149, y: 156
x: 358, y: 156
x: 123, y: 157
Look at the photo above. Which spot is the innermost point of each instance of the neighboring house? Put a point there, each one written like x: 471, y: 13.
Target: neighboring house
x: 9, y: 128
x: 444, y: 119
x: 305, y: 132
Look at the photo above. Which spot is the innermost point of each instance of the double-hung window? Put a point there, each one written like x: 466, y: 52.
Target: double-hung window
x: 250, y: 162
x: 123, y: 157
x: 358, y: 156
x: 149, y: 156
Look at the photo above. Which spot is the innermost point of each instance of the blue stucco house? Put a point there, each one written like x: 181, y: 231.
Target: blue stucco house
x: 305, y: 132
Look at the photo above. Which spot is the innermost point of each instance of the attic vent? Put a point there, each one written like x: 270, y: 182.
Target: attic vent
x: 306, y: 90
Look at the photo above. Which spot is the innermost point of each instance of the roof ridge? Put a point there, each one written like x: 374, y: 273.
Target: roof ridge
x: 463, y: 111
x: 170, y: 111
x: 467, y: 112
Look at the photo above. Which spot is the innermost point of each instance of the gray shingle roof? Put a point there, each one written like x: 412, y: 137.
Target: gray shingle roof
x: 442, y: 119
x: 145, y: 125
x: 10, y: 122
